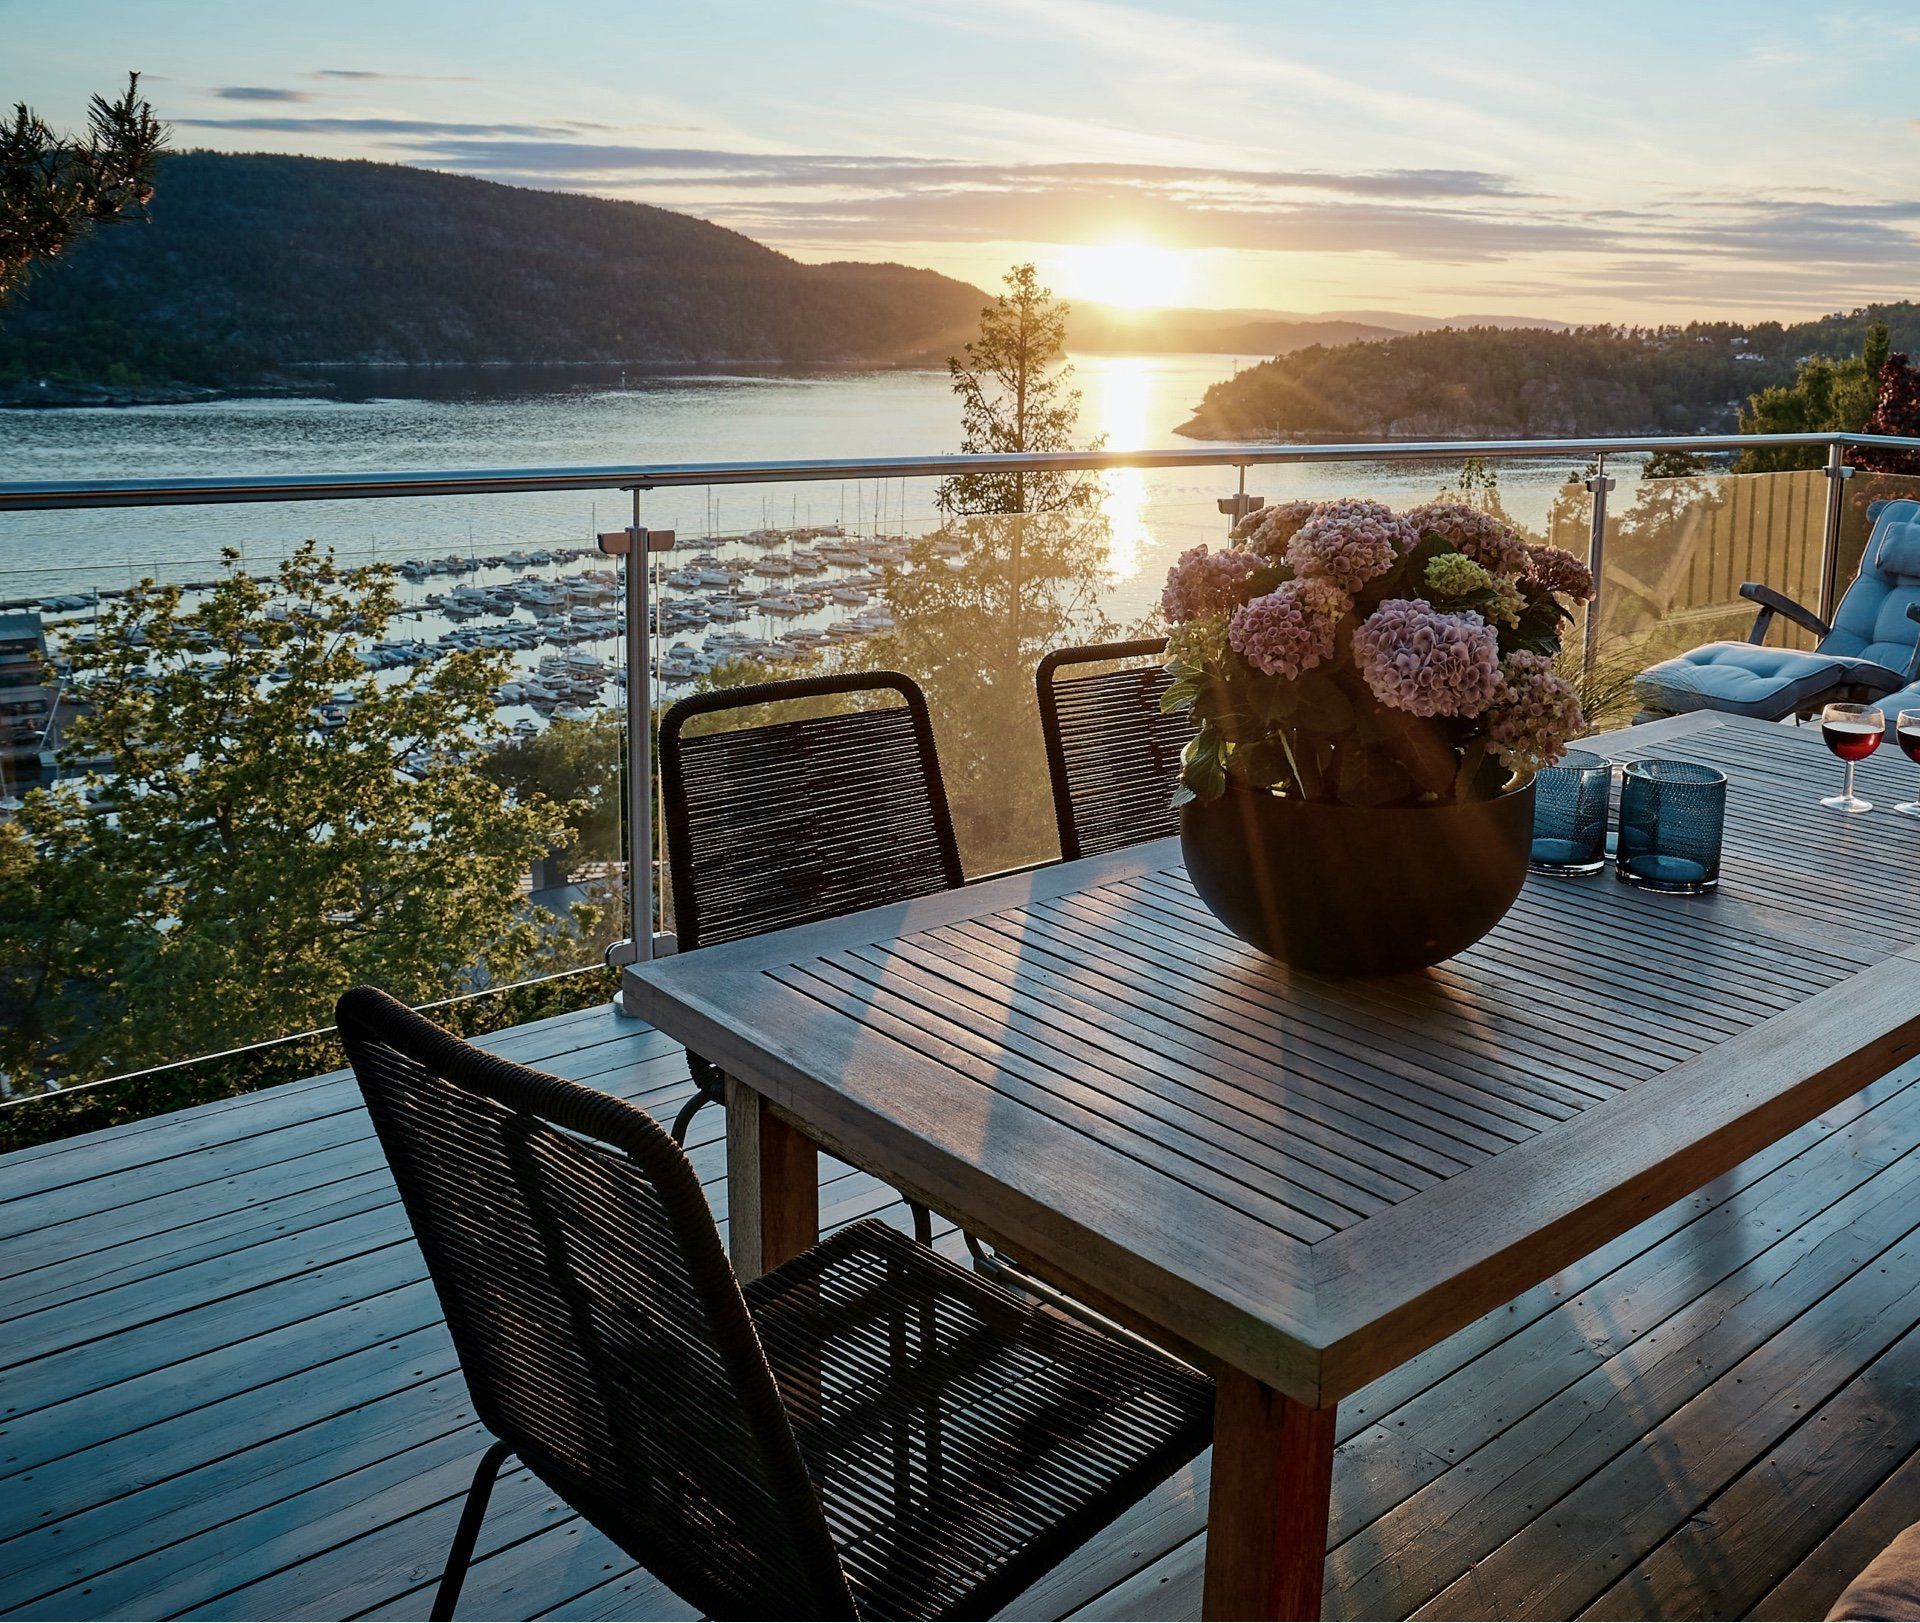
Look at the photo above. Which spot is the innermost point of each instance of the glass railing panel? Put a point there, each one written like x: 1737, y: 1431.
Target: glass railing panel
x: 374, y: 741
x: 1866, y: 493
x: 1678, y: 550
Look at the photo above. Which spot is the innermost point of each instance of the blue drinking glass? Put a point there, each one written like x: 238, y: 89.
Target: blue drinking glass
x: 1672, y: 816
x: 1570, y: 815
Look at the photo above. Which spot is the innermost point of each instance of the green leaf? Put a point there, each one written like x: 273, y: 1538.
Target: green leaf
x: 1201, y: 765
x: 1262, y: 764
x: 1370, y: 776
x: 1180, y: 694
x: 1320, y: 705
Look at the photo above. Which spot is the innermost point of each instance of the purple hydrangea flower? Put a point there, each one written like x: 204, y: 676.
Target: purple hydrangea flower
x: 1557, y: 570
x: 1203, y: 583
x: 1490, y: 542
x: 1266, y: 533
x: 1349, y: 543
x: 1417, y: 659
x: 1291, y: 629
x: 1534, y: 714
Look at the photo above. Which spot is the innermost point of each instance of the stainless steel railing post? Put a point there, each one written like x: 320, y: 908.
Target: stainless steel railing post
x: 1838, y: 473
x: 637, y: 544
x: 1598, y: 485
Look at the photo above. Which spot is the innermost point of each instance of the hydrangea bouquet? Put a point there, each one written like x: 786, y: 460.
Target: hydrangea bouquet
x: 1339, y: 651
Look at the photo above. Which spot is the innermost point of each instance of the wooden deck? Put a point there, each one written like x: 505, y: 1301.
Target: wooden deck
x: 225, y: 1392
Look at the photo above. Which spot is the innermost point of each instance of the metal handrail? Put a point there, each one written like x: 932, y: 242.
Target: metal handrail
x: 57, y: 495
x: 32, y: 496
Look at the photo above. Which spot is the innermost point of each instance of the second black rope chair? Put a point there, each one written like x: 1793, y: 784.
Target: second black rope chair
x: 867, y: 1431
x: 799, y: 819
x: 1112, y: 754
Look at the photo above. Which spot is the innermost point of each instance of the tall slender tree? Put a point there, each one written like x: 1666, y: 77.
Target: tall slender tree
x: 1016, y: 394
x: 54, y: 189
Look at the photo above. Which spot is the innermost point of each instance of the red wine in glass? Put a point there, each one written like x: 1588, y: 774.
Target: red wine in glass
x: 1855, y: 741
x: 1852, y: 732
x: 1906, y: 733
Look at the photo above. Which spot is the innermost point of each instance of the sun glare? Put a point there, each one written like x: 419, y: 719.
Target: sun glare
x: 1132, y: 275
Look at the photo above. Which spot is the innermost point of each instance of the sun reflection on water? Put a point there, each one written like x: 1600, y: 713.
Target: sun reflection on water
x: 1121, y: 398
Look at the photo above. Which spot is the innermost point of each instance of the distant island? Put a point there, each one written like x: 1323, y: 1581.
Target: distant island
x: 1514, y: 383
x: 254, y: 265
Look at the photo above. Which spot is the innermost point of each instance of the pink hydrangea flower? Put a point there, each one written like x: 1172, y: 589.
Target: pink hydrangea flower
x: 1533, y: 715
x: 1289, y: 630
x: 1557, y: 570
x: 1490, y: 542
x: 1417, y: 659
x: 1203, y: 583
x: 1266, y: 533
x: 1349, y: 543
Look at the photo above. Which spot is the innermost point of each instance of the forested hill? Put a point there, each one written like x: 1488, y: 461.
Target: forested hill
x: 1509, y: 383
x: 253, y: 263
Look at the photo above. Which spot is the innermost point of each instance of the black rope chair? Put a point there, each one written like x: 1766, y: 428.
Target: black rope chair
x: 868, y: 1431
x: 1113, y: 756
x: 799, y: 820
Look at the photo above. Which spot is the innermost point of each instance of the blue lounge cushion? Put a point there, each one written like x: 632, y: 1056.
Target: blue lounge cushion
x: 1871, y: 622
x: 1739, y: 678
x: 1908, y: 698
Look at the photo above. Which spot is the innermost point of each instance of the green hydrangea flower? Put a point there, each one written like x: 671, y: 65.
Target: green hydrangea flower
x: 1454, y: 574
x: 1198, y: 642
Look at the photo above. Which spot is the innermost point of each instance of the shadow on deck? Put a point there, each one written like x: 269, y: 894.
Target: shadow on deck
x: 225, y: 1392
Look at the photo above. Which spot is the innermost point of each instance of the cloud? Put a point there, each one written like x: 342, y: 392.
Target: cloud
x: 395, y: 78
x: 378, y: 127
x: 260, y: 93
x: 703, y: 167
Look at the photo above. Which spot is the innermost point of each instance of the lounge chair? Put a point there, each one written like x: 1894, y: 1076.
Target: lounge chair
x: 1868, y: 650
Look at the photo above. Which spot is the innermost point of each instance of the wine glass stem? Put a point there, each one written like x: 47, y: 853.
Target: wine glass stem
x: 1849, y: 780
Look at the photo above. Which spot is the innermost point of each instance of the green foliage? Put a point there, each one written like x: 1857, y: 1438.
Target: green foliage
x: 261, y: 262
x: 577, y: 764
x: 1825, y: 396
x: 1016, y: 394
x: 970, y: 631
x: 55, y: 189
x: 1519, y: 382
x: 234, y: 865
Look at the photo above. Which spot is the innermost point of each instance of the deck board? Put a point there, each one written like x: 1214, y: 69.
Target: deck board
x: 225, y: 1390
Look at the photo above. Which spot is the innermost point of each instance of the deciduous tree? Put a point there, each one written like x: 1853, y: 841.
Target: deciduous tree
x: 232, y: 864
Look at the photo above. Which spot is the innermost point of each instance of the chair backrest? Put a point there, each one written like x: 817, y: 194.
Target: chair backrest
x: 1112, y: 753
x: 1871, y: 619
x: 601, y: 1330
x: 792, y: 821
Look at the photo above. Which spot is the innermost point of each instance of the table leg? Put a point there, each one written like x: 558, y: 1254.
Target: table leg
x: 1268, y: 1505
x: 773, y: 1185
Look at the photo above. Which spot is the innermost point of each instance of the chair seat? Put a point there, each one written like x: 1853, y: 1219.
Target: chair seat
x: 962, y: 1440
x: 1889, y: 1588
x: 1742, y: 679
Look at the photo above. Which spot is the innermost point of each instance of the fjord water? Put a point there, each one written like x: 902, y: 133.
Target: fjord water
x: 479, y: 419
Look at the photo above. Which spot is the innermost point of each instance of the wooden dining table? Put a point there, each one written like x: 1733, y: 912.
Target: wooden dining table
x: 1298, y: 1183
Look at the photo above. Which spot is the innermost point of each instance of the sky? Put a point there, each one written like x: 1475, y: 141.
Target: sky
x: 1620, y: 162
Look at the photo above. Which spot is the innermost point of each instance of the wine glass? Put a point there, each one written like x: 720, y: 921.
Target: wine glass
x: 1906, y: 733
x: 1852, y: 732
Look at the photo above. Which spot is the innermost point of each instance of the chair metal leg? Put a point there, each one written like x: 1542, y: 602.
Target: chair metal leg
x: 684, y: 1120
x: 468, y: 1533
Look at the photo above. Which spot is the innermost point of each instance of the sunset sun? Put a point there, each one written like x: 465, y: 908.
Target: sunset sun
x: 1131, y: 274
